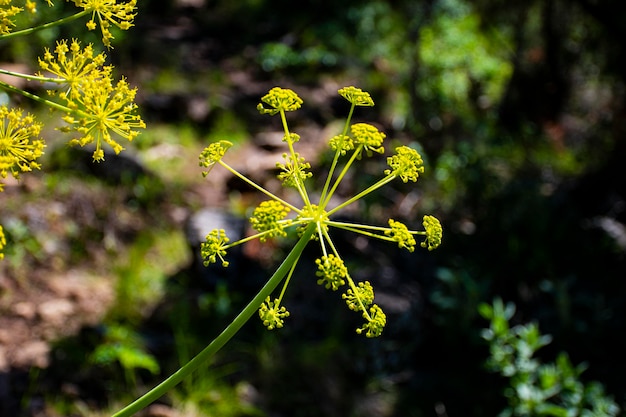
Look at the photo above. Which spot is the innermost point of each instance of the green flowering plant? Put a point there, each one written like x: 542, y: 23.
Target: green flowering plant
x: 96, y: 108
x: 314, y: 219
x: 310, y: 220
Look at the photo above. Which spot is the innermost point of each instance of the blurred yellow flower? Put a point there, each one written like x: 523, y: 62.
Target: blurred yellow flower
x: 18, y: 153
x: 100, y: 110
x: 109, y: 12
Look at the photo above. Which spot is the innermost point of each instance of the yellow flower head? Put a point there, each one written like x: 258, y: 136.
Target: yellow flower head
x: 367, y: 135
x: 356, y: 96
x: 75, y: 68
x: 213, y: 154
x: 400, y: 233
x: 406, y: 164
x: 3, y: 242
x: 269, y: 217
x: 376, y: 321
x: 332, y: 272
x: 109, y: 12
x: 434, y: 233
x: 100, y: 110
x: 279, y: 99
x: 19, y: 144
x: 214, y: 247
x: 272, y: 314
x: 7, y: 12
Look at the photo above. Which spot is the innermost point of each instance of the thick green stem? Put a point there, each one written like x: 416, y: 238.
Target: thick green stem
x: 226, y: 334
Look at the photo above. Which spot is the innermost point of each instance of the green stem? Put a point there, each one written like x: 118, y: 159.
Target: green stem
x: 336, y: 158
x: 345, y: 169
x: 32, y: 77
x: 34, y: 97
x: 226, y: 334
x: 360, y: 195
x: 258, y: 187
x: 300, y: 186
x: 49, y: 25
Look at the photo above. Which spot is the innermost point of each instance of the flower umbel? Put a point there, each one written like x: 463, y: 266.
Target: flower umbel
x: 74, y: 69
x: 376, y: 321
x: 433, y: 233
x: 279, y: 99
x: 332, y: 272
x: 213, y: 154
x: 214, y: 247
x: 272, y: 314
x: 3, y: 242
x: 294, y: 170
x: 100, y: 110
x: 269, y: 218
x: 109, y: 12
x: 20, y: 146
x: 356, y: 96
x: 313, y: 219
x: 406, y: 164
x: 7, y: 13
x: 400, y: 233
x: 369, y: 137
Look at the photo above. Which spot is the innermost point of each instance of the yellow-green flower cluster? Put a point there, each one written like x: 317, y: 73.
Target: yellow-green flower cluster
x: 356, y: 96
x: 279, y: 100
x: 107, y: 13
x: 214, y: 247
x: 3, y: 242
x: 433, y: 233
x: 293, y: 170
x: 213, y: 154
x: 272, y: 314
x: 7, y: 12
x: 72, y: 70
x: 95, y: 106
x: 369, y: 137
x: 332, y: 272
x: 406, y: 164
x: 269, y: 219
x: 401, y: 234
x: 20, y: 145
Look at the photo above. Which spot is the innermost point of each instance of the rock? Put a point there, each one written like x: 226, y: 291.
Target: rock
x: 32, y: 353
x: 55, y: 311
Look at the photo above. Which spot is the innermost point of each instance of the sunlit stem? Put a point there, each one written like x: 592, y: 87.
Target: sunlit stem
x: 52, y: 104
x: 227, y: 334
x: 287, y: 280
x: 345, y: 169
x: 49, y: 25
x: 258, y: 187
x: 33, y: 77
x: 337, y: 154
x: 300, y: 186
x: 363, y: 193
x: 353, y: 286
